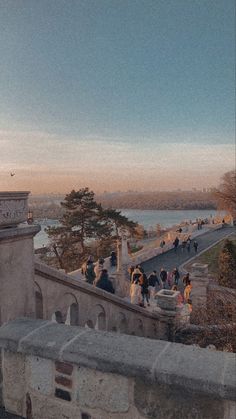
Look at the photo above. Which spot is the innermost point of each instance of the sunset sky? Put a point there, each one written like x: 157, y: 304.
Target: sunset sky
x: 116, y: 94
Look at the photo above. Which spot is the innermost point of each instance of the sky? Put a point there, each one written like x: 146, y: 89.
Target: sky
x: 116, y: 94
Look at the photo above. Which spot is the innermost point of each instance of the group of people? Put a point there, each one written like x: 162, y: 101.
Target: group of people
x: 186, y: 244
x: 97, y: 275
x: 143, y: 288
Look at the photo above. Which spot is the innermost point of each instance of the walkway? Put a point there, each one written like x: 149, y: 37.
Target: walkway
x: 169, y: 260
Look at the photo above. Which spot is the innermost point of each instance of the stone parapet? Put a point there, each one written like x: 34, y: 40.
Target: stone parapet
x: 13, y: 208
x: 57, y: 370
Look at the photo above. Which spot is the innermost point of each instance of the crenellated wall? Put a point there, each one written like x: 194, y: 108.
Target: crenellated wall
x: 53, y: 371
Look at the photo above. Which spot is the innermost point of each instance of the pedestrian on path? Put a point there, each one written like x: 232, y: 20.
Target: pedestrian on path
x: 176, y: 243
x: 188, y: 244
x: 163, y: 277
x: 136, y: 275
x: 135, y: 292
x: 195, y: 245
x: 143, y: 282
x: 153, y: 282
x: 104, y: 282
x: 176, y: 276
x: 162, y: 245
x: 186, y: 279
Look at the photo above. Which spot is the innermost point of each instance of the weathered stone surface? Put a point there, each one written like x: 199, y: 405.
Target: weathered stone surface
x: 13, y: 208
x: 41, y: 374
x: 155, y: 361
x: 169, y: 402
x: 167, y: 299
x: 18, y: 330
x: 14, y: 382
x: 49, y: 342
x: 102, y: 390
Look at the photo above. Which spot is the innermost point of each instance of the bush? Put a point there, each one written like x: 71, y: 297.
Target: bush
x: 227, y: 265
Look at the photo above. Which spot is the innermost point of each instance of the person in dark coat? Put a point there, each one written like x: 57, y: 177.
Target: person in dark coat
x: 176, y: 276
x: 163, y: 276
x: 153, y: 279
x: 176, y: 243
x: 89, y: 272
x: 104, y: 282
x: 143, y: 282
x: 195, y: 245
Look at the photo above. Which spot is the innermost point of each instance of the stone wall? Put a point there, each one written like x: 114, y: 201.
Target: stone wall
x: 17, y: 272
x: 75, y: 302
x: 53, y: 371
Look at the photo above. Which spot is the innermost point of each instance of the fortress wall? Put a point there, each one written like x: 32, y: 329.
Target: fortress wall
x: 53, y: 371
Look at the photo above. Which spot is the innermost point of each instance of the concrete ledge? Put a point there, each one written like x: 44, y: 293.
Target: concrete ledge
x: 190, y: 368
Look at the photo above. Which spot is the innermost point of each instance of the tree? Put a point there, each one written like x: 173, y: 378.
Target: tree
x: 226, y: 193
x: 119, y: 221
x: 227, y: 265
x: 81, y: 221
x: 86, y: 228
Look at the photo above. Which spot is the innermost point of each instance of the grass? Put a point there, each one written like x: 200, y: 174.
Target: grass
x: 211, y: 256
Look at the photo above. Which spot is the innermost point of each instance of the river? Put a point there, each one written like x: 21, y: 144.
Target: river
x: 148, y: 218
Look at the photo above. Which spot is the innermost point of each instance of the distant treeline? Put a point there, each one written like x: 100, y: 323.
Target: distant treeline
x: 182, y: 200
x: 49, y: 207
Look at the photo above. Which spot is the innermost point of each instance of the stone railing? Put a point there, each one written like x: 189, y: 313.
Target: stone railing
x: 70, y: 301
x: 54, y: 371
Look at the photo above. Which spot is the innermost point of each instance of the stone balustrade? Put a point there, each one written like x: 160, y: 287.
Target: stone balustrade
x: 55, y: 371
x: 70, y: 301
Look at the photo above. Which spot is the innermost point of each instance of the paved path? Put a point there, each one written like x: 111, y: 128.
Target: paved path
x: 170, y: 259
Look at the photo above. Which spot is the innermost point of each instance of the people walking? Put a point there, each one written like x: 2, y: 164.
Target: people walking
x: 195, y: 245
x: 89, y: 272
x: 163, y: 277
x: 104, y: 282
x: 187, y: 291
x: 162, y: 245
x: 153, y: 282
x: 186, y: 279
x: 143, y: 282
x: 176, y: 276
x: 136, y: 275
x: 176, y: 243
x: 113, y: 259
x: 188, y: 244
x: 99, y: 266
x: 135, y: 292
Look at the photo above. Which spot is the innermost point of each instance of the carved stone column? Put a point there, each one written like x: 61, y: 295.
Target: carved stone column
x: 16, y: 257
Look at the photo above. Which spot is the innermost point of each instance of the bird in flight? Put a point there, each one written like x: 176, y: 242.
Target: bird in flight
x: 12, y: 174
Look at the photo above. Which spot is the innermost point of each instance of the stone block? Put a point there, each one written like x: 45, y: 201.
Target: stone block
x: 64, y: 367
x: 14, y: 382
x: 41, y: 374
x: 106, y: 391
x: 44, y: 407
x: 167, y: 299
x: 165, y: 402
x: 63, y: 381
x: 199, y: 269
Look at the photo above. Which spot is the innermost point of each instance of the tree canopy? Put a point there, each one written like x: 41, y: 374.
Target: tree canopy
x: 84, y: 221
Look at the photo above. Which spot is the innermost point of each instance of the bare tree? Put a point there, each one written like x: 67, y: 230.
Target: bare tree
x: 226, y: 193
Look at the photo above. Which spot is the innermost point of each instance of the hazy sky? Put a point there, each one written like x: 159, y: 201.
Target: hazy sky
x: 116, y: 94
